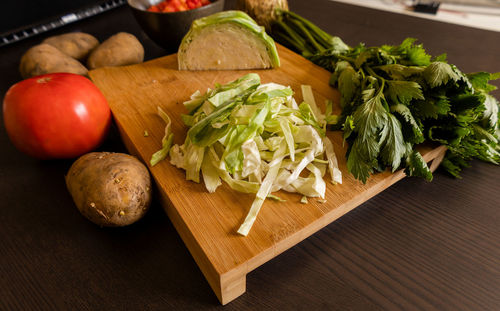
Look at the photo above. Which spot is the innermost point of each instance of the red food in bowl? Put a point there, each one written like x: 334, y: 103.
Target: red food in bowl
x: 177, y: 5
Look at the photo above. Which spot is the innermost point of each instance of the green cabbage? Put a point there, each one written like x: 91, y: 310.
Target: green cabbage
x: 221, y: 23
x: 258, y: 140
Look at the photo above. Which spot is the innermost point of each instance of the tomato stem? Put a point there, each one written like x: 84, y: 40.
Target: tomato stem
x: 44, y: 80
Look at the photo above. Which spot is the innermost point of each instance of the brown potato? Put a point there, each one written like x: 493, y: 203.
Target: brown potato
x: 45, y: 58
x: 75, y: 44
x: 119, y: 50
x: 110, y: 189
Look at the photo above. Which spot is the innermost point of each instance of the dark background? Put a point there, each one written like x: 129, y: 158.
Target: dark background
x: 416, y: 246
x: 20, y: 13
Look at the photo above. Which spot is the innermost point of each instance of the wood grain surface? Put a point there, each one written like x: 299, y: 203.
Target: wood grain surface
x: 208, y: 222
x: 414, y: 246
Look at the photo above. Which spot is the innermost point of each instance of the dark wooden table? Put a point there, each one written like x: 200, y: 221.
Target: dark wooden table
x: 416, y: 246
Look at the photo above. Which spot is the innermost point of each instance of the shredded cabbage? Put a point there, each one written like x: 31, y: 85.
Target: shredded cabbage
x: 166, y: 141
x: 257, y: 139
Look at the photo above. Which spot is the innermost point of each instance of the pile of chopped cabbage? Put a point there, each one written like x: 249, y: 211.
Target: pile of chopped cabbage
x: 257, y: 139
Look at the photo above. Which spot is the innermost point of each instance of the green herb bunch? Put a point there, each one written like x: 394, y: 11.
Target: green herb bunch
x: 396, y: 97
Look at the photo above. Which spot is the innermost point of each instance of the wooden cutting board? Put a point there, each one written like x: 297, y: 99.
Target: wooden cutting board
x: 208, y: 222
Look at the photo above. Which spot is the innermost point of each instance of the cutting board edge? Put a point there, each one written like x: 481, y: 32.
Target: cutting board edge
x: 230, y: 284
x: 237, y: 285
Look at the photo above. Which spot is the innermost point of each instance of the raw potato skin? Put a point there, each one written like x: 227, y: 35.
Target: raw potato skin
x: 75, y: 44
x: 110, y: 189
x: 44, y: 58
x: 119, y: 50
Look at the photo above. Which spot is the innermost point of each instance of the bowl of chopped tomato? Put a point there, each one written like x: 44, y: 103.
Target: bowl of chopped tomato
x: 167, y: 21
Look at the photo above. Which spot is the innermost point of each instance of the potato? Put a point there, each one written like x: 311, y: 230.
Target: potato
x: 75, y: 44
x: 110, y: 189
x: 44, y: 58
x: 119, y: 50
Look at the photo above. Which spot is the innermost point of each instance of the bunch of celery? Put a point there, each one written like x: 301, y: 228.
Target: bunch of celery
x: 395, y: 97
x: 257, y: 139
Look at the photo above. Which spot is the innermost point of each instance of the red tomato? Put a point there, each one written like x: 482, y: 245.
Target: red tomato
x: 55, y: 116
